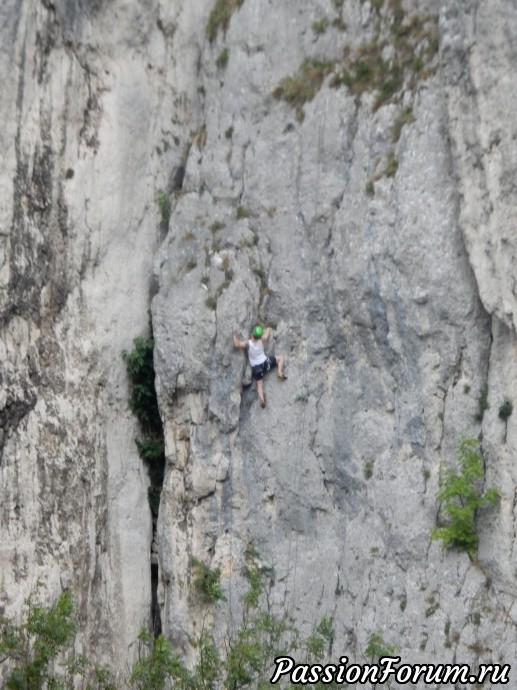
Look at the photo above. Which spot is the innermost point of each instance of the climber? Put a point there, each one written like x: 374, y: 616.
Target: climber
x: 259, y: 361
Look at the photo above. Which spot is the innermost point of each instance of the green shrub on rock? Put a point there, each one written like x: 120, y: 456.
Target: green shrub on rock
x: 144, y: 405
x: 462, y: 495
x: 40, y: 650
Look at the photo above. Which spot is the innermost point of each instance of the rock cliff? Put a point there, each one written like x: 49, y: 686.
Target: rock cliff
x: 342, y: 170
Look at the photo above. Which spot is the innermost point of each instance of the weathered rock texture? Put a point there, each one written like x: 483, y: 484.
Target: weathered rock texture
x: 89, y: 135
x: 392, y: 292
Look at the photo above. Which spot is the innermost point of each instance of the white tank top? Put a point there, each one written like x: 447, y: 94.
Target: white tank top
x: 256, y: 352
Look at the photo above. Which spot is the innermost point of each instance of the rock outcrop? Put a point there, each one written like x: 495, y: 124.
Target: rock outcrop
x: 365, y: 215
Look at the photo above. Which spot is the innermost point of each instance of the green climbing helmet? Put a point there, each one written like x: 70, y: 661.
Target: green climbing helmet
x: 258, y: 332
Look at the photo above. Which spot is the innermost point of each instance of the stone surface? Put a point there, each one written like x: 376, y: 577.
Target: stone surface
x: 391, y: 295
x: 85, y: 136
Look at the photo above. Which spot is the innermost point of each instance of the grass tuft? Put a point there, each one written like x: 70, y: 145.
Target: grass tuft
x: 220, y: 16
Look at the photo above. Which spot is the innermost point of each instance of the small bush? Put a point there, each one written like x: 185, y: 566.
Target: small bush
x: 144, y: 405
x: 366, y: 71
x: 152, y: 452
x: 211, y: 303
x: 319, y: 643
x: 392, y: 165
x: 155, y: 663
x: 431, y: 610
x: 461, y: 498
x: 41, y: 652
x: 206, y: 582
x: 222, y: 60
x: 505, y: 410
x: 320, y: 26
x: 216, y: 226
x: 151, y: 449
x: 140, y: 367
x: 302, y: 87
x: 220, y: 17
x: 377, y: 648
x: 164, y: 204
x: 243, y: 212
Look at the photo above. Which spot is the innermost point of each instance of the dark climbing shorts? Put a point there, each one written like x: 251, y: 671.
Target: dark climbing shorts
x: 261, y: 369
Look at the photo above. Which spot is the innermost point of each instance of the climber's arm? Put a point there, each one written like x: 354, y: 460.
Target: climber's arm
x: 266, y: 334
x: 241, y: 344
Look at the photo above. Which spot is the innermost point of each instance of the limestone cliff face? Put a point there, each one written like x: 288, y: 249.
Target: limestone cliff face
x: 372, y: 229
x: 91, y: 129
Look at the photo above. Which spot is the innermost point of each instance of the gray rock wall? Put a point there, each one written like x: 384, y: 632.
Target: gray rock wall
x: 91, y: 130
x: 381, y: 310
x: 384, y: 264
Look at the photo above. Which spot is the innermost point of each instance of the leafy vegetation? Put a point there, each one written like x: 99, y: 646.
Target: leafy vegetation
x: 40, y: 650
x: 482, y: 404
x: 392, y: 165
x: 144, y: 405
x: 220, y: 16
x: 368, y: 469
x: 164, y: 204
x: 140, y: 367
x: 222, y: 59
x: 243, y: 212
x: 206, y: 582
x: 400, y: 55
x: 505, y: 410
x: 320, y: 25
x: 216, y: 226
x: 41, y: 656
x: 377, y: 648
x: 410, y: 41
x: 155, y: 664
x: 211, y: 303
x: 303, y: 86
x: 462, y: 496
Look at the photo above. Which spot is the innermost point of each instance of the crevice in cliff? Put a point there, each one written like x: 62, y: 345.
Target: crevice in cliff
x: 151, y: 447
